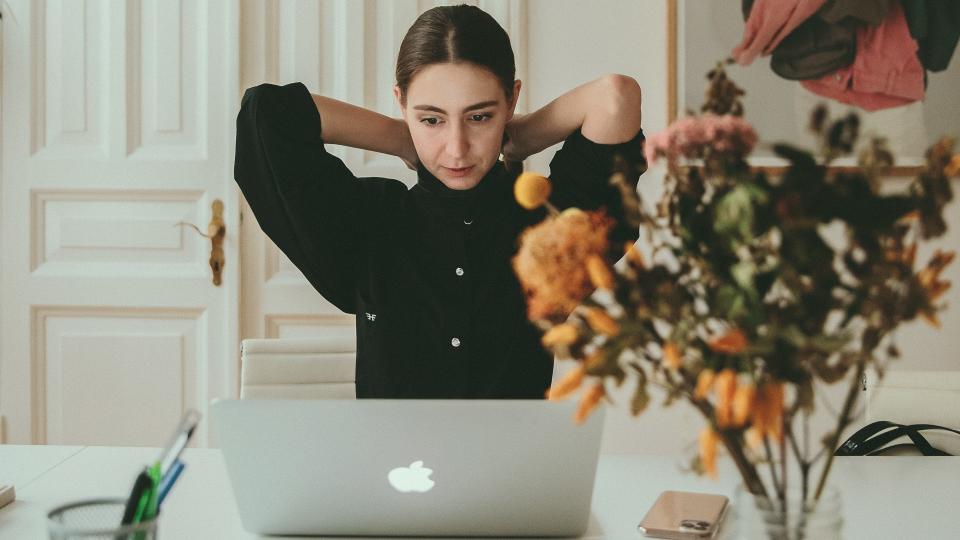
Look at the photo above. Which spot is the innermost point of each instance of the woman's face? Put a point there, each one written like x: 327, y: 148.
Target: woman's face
x: 456, y: 114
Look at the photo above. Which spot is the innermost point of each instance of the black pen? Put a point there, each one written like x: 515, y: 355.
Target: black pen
x: 140, y: 485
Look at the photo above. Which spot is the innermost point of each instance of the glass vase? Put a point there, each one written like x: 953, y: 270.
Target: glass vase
x: 759, y: 518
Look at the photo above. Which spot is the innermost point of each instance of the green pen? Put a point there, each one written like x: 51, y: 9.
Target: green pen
x: 152, y: 502
x: 147, y: 507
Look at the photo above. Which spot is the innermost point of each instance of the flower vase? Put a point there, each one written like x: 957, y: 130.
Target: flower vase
x: 759, y: 518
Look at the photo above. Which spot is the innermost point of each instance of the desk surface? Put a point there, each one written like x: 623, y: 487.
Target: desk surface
x: 883, y: 497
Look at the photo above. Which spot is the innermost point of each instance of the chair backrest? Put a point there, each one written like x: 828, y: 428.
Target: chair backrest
x: 308, y: 368
x: 918, y: 397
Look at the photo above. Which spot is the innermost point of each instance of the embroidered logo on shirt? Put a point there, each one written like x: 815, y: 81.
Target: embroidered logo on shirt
x: 371, y: 316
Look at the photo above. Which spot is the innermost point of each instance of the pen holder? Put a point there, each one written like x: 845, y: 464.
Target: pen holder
x: 96, y: 518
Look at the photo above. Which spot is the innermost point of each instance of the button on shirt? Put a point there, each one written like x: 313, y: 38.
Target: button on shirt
x: 428, y: 270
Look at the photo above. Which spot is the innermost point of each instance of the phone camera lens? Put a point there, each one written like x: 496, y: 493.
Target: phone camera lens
x: 695, y: 524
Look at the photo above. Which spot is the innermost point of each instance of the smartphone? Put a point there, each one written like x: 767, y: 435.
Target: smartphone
x: 683, y: 515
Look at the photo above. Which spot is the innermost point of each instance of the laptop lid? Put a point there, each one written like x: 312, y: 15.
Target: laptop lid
x: 409, y: 467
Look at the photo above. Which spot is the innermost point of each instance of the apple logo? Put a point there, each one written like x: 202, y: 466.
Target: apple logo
x: 413, y: 478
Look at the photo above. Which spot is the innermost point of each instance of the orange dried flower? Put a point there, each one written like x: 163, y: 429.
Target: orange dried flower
x: 754, y: 437
x: 928, y: 276
x: 567, y: 384
x: 591, y: 398
x: 905, y: 255
x: 531, y: 190
x: 725, y: 386
x: 634, y: 257
x: 708, y: 450
x: 953, y: 168
x: 733, y: 342
x: 561, y: 334
x: 671, y: 356
x: 743, y: 402
x: 910, y: 217
x: 929, y: 279
x: 768, y: 410
x: 600, y: 274
x: 704, y: 383
x: 551, y: 261
x: 594, y: 359
x: 931, y: 318
x: 601, y: 321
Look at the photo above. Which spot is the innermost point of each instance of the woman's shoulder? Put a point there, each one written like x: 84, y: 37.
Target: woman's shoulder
x: 270, y: 91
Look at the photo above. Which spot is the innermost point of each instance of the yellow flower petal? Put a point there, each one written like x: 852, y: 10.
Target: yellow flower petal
x: 733, y: 342
x: 591, y: 398
x: 561, y: 334
x: 953, y: 168
x: 601, y: 321
x: 672, y: 358
x: 708, y: 450
x: 566, y: 385
x: 704, y: 383
x: 773, y: 417
x: 634, y: 257
x: 600, y: 274
x: 743, y: 402
x: 725, y: 387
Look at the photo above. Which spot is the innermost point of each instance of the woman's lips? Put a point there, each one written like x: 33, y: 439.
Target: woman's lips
x: 459, y: 172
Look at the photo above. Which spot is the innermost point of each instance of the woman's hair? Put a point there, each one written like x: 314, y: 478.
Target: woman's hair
x: 456, y: 34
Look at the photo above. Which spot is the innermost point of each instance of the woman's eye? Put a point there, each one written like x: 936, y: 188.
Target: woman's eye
x: 430, y: 121
x: 481, y: 117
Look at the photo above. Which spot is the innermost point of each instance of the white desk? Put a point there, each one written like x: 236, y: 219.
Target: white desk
x: 883, y: 497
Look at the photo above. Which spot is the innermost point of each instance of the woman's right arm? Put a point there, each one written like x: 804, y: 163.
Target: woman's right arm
x: 353, y: 126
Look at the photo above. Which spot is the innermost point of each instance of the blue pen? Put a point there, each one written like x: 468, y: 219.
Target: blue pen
x: 170, y: 479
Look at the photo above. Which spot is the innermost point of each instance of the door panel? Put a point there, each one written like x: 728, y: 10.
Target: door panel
x: 117, y: 126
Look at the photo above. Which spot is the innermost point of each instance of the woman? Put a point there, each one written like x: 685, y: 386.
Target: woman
x: 440, y: 313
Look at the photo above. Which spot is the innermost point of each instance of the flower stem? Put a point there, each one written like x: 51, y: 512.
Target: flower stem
x: 842, y: 422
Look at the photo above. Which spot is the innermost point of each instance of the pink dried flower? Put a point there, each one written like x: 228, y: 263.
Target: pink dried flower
x: 695, y: 136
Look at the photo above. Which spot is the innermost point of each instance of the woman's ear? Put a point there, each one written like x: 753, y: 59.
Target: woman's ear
x: 515, y: 99
x: 398, y: 96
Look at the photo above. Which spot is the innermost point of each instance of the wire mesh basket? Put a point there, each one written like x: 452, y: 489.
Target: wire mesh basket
x: 96, y: 519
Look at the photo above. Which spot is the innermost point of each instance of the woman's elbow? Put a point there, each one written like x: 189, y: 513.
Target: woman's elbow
x: 623, y: 91
x: 623, y: 97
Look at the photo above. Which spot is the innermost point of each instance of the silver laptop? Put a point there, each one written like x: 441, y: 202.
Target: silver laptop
x: 409, y: 467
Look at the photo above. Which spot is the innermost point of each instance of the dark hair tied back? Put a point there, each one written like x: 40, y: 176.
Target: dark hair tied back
x: 456, y: 34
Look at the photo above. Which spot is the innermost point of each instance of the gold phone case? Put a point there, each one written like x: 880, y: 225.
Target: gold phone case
x: 683, y: 515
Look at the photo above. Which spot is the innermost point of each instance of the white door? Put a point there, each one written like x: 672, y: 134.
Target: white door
x: 117, y: 124
x: 346, y: 50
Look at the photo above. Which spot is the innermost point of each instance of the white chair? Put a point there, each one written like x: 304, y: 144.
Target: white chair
x: 310, y: 368
x: 918, y: 397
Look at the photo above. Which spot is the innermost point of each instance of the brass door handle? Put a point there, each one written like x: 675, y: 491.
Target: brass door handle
x: 216, y: 231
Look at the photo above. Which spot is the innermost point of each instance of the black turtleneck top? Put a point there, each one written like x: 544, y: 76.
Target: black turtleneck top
x: 426, y: 270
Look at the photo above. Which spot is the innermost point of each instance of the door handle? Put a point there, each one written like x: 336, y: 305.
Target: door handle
x: 216, y: 232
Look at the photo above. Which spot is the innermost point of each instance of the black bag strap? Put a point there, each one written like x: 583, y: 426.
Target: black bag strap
x: 866, y: 441
x: 870, y: 439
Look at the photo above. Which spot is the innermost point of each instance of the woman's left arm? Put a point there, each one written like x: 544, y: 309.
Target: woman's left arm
x: 606, y: 110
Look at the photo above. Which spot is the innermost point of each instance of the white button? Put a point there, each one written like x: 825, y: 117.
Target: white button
x: 455, y: 342
x: 459, y: 271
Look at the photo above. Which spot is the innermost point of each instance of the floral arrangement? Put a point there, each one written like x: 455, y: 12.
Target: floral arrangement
x: 747, y: 289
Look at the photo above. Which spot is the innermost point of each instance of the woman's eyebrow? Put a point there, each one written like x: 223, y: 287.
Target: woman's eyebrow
x: 475, y: 106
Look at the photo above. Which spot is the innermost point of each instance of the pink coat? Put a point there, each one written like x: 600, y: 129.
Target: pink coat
x: 886, y: 72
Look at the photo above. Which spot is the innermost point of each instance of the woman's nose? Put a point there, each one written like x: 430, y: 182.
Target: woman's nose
x: 457, y: 143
